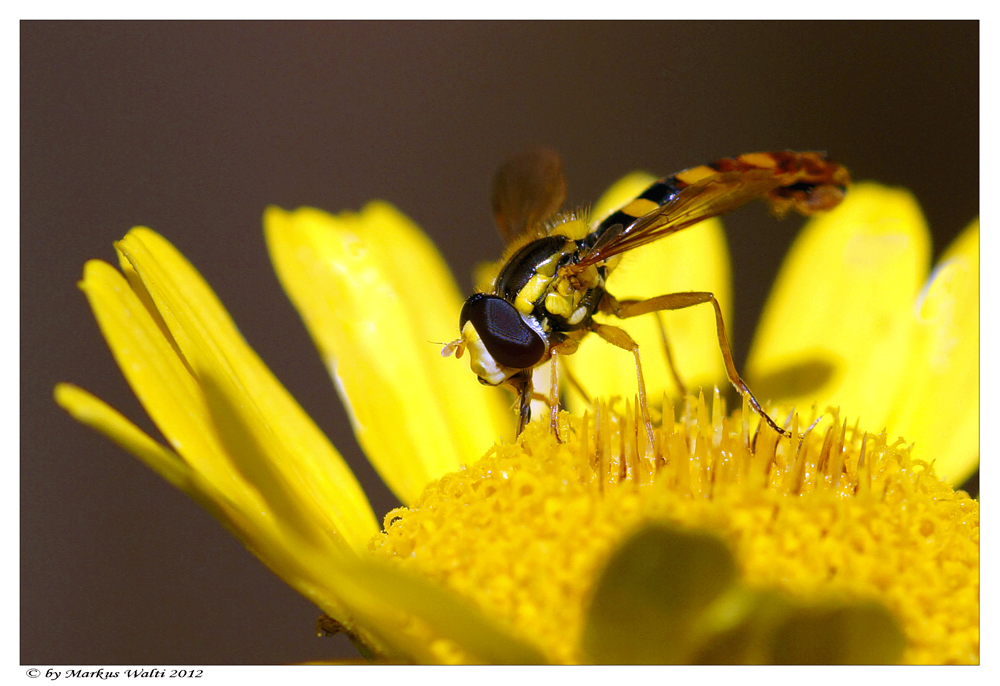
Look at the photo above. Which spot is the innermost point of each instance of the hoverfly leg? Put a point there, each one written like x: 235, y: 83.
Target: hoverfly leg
x: 620, y: 338
x: 554, y: 398
x: 678, y: 301
x: 521, y: 383
x: 661, y: 327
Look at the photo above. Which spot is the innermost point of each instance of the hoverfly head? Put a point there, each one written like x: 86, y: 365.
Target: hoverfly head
x: 500, y: 341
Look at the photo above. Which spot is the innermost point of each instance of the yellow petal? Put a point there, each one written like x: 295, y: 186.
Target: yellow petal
x: 95, y: 413
x: 836, y: 328
x: 379, y: 301
x: 160, y: 380
x: 256, y: 528
x: 937, y: 405
x: 258, y: 455
x: 287, y: 541
x: 213, y: 348
x: 695, y: 259
x: 257, y: 532
x: 386, y: 598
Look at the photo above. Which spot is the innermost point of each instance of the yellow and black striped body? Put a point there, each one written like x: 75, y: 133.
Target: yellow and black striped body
x: 535, y: 279
x: 544, y: 297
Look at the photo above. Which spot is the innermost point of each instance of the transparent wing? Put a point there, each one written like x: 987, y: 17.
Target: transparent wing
x: 806, y: 182
x: 710, y: 197
x: 527, y: 189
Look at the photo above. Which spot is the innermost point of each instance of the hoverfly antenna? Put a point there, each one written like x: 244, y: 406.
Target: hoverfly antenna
x: 457, y: 347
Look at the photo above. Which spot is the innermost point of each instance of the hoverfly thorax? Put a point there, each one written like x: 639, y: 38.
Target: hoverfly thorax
x: 535, y: 306
x: 536, y: 281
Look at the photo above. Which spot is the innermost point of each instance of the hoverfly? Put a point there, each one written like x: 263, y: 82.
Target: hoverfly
x: 552, y: 279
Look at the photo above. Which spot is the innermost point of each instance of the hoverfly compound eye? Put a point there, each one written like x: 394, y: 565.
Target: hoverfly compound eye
x: 507, y: 337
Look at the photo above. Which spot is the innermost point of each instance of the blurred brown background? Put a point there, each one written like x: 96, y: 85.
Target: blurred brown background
x: 192, y: 128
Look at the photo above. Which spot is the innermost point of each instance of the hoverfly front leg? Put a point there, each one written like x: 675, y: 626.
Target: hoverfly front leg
x: 521, y: 383
x: 678, y: 301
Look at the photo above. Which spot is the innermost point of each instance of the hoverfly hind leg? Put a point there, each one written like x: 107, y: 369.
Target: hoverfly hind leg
x: 678, y: 301
x: 674, y: 374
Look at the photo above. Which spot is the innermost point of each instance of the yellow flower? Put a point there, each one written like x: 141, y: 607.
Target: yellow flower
x: 718, y: 543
